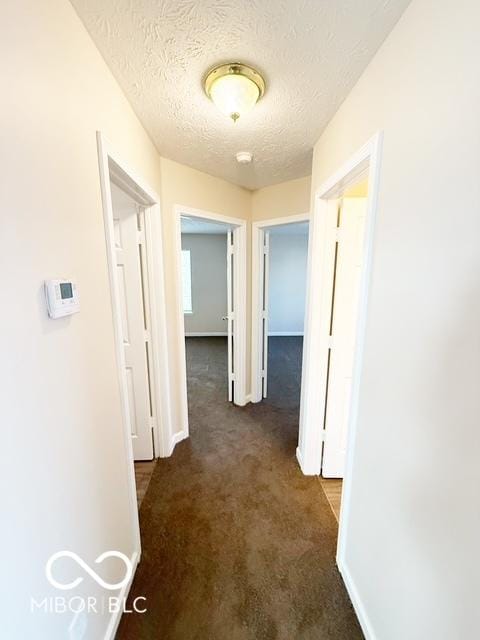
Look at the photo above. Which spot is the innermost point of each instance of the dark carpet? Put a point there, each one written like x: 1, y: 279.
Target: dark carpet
x: 237, y: 543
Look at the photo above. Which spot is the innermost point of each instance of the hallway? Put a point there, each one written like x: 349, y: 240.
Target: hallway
x: 236, y: 541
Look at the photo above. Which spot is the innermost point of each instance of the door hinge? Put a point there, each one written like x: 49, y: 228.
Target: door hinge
x: 324, y: 435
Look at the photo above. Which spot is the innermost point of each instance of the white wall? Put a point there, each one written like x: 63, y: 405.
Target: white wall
x: 208, y: 255
x: 283, y: 199
x: 412, y: 537
x: 287, y: 282
x: 63, y: 457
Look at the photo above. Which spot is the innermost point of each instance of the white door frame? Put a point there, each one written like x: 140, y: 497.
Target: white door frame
x: 366, y: 161
x: 113, y: 168
x: 258, y: 229
x: 240, y: 304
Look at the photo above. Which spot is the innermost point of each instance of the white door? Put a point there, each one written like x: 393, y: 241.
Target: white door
x: 348, y: 264
x: 230, y: 315
x: 130, y: 259
x: 265, y: 272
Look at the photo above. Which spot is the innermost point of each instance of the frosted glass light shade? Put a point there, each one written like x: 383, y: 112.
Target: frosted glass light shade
x: 234, y: 95
x: 234, y: 89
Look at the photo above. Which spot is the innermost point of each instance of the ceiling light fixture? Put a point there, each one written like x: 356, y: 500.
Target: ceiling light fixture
x: 234, y: 88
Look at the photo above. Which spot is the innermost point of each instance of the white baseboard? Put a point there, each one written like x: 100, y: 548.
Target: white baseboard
x: 357, y: 603
x: 124, y: 591
x: 176, y: 438
x: 205, y: 334
x: 285, y: 333
x: 300, y: 459
x: 308, y: 468
x: 241, y: 402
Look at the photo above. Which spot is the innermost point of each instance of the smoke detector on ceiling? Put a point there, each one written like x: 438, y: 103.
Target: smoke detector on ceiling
x: 244, y: 157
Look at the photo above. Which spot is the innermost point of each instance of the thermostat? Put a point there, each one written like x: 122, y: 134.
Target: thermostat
x: 62, y: 298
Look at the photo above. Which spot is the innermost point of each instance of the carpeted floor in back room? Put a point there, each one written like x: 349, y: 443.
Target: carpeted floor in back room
x: 237, y: 544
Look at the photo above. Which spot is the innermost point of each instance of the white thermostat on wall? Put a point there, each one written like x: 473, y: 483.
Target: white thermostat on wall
x: 62, y: 298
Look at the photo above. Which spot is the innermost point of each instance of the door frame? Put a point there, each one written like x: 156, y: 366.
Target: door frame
x: 240, y: 304
x: 258, y: 230
x: 366, y: 161
x: 113, y: 168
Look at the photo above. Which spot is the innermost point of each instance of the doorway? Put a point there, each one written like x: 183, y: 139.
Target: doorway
x: 279, y: 268
x: 340, y: 256
x: 345, y: 288
x: 135, y: 266
x: 344, y: 308
x: 207, y: 287
x: 211, y: 288
x: 129, y: 230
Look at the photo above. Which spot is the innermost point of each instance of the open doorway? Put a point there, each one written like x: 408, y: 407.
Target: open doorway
x: 280, y: 272
x: 128, y: 227
x: 130, y: 254
x: 340, y: 255
x: 211, y: 287
x: 207, y: 306
x: 344, y: 309
x: 286, y: 249
x: 279, y: 268
x: 134, y: 253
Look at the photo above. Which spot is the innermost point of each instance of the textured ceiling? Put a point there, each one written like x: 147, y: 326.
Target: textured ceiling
x: 311, y: 53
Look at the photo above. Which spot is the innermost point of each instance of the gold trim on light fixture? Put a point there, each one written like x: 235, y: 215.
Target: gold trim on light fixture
x: 234, y: 69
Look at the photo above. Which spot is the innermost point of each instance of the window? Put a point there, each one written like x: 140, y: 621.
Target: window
x: 186, y: 281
